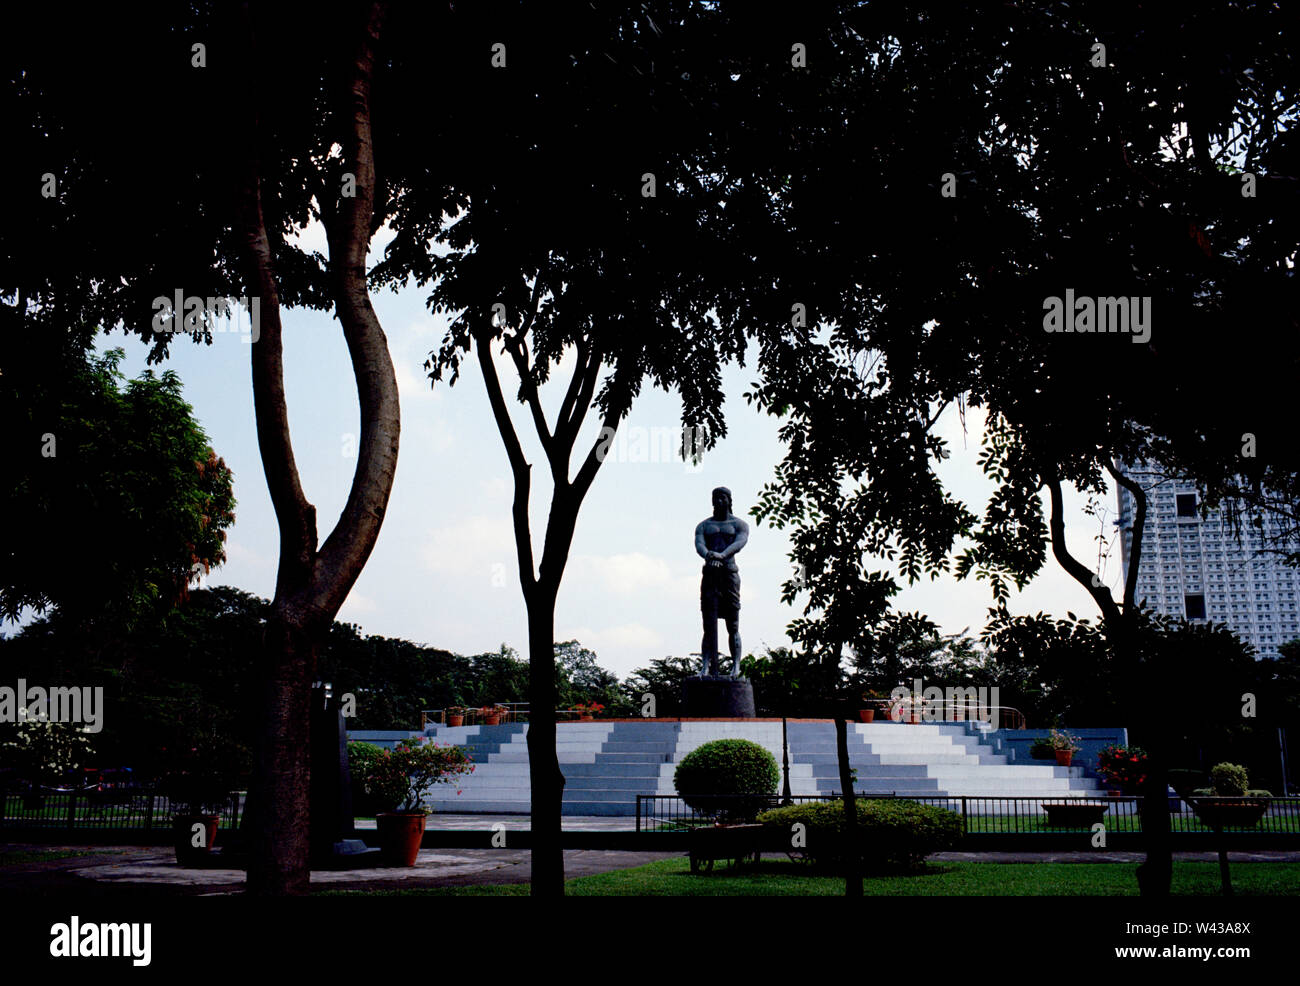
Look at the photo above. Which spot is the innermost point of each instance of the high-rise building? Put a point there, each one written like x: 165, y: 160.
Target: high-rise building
x: 1198, y: 568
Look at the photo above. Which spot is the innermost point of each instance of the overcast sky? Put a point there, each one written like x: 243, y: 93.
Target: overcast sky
x: 443, y: 572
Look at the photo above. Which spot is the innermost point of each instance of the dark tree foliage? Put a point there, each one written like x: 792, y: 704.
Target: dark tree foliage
x: 969, y: 166
x: 789, y: 683
x: 593, y: 213
x: 114, y: 499
x: 180, y: 148
x: 169, y: 683
x: 662, y: 682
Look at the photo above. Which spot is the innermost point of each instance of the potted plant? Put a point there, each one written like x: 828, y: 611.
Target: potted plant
x: 198, y: 789
x: 1122, y: 768
x: 491, y: 715
x: 1229, y: 802
x: 588, y: 712
x: 456, y: 716
x: 868, y: 711
x: 396, y: 781
x: 1064, y: 746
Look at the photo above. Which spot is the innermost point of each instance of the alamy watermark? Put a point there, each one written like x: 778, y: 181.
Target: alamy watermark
x: 193, y: 313
x: 81, y: 706
x: 662, y: 445
x: 1088, y: 314
x: 98, y: 940
x: 950, y: 704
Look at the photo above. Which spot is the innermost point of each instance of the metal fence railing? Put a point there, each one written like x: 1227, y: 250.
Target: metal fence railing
x: 1010, y: 815
x: 502, y: 712
x: 131, y: 810
x: 903, y: 710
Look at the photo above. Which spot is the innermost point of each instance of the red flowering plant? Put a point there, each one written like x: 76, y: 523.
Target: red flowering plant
x: 593, y: 709
x: 397, y: 779
x: 1123, y: 767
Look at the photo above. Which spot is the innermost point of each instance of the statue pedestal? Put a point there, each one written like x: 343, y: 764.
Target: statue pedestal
x: 717, y: 696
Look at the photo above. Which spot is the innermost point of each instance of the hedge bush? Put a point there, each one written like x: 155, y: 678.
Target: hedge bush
x: 891, y: 834
x: 1041, y: 749
x: 362, y: 759
x: 729, y: 767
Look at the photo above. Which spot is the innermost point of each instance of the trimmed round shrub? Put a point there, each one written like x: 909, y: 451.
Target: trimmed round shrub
x: 713, y: 778
x: 891, y: 834
x: 1041, y: 749
x: 1228, y: 780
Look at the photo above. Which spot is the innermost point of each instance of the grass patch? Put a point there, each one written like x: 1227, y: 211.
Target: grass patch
x: 779, y: 878
x: 20, y: 857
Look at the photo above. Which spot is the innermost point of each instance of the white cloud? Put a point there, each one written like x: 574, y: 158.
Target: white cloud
x: 357, y: 605
x: 472, y: 546
x: 625, y: 574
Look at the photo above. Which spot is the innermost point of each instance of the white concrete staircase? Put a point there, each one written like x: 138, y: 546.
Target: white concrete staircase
x: 606, y: 765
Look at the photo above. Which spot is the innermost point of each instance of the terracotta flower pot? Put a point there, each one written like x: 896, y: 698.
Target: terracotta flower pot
x: 492, y: 720
x: 1063, y: 757
x: 455, y: 720
x: 586, y: 718
x: 184, y: 837
x: 400, y: 833
x: 867, y: 715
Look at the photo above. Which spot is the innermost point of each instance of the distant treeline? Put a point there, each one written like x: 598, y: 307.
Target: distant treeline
x: 179, y: 682
x: 192, y: 679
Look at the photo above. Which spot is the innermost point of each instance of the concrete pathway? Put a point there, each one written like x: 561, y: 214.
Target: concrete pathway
x: 476, y: 821
x: 150, y: 871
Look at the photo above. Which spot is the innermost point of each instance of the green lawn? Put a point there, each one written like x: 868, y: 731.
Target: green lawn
x: 1114, y: 823
x: 20, y: 857
x: 672, y: 878
x: 1010, y: 823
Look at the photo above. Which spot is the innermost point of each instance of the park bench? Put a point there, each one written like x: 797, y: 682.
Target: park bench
x: 1075, y: 814
x: 738, y: 844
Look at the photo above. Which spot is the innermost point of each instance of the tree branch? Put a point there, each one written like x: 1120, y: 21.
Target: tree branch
x: 617, y: 408
x: 349, y: 545
x: 1080, y: 572
x: 518, y: 464
x: 295, y: 516
x: 1139, y: 526
x: 568, y: 431
x: 575, y: 385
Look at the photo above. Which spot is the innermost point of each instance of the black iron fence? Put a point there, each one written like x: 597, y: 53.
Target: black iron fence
x: 94, y: 810
x: 1012, y: 816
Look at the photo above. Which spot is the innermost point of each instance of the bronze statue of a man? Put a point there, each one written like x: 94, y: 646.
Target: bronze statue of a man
x: 717, y: 540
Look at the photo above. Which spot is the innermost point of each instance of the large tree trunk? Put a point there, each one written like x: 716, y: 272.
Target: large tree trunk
x: 279, y: 795
x: 544, y: 775
x: 312, y: 583
x: 1156, y: 874
x: 541, y: 587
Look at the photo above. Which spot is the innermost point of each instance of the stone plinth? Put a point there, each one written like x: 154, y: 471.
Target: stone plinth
x: 717, y: 695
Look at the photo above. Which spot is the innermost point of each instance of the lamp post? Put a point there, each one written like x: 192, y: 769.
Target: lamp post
x: 785, y: 767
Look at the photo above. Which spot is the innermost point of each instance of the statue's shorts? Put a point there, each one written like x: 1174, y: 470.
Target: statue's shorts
x: 720, y: 592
